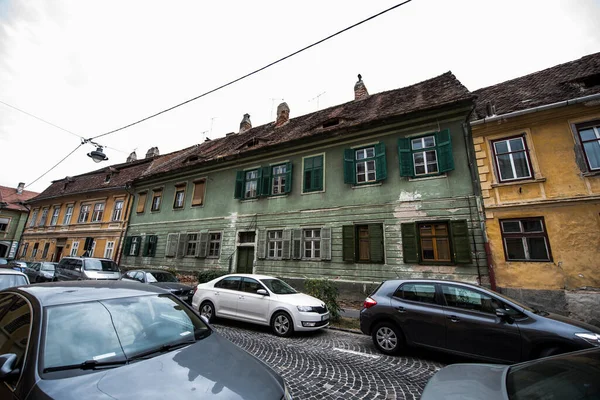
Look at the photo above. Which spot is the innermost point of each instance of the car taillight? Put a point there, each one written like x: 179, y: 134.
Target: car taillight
x: 194, y: 292
x: 369, y: 302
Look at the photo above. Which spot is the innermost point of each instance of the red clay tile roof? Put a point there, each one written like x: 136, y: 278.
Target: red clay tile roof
x: 567, y: 81
x: 13, y: 200
x: 434, y: 93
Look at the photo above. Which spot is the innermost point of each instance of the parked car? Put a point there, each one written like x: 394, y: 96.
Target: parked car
x: 263, y: 300
x: 41, y: 271
x: 161, y: 279
x: 18, y: 265
x: 115, y: 339
x: 10, y: 278
x: 468, y: 320
x: 3, y: 261
x: 82, y: 268
x: 568, y: 376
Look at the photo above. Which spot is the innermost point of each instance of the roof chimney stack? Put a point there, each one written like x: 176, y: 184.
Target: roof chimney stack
x: 245, y: 124
x: 283, y: 114
x: 132, y: 157
x: 152, y: 152
x: 20, y: 188
x: 490, y: 109
x: 360, y: 90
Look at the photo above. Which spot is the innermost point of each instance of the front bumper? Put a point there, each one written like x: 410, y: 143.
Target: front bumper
x: 311, y: 321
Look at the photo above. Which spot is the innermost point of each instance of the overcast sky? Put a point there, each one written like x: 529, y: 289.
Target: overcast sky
x: 93, y: 66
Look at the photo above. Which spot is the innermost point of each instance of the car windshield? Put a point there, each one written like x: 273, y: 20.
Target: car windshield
x: 10, y: 280
x: 101, y: 265
x: 160, y: 277
x: 567, y: 377
x: 278, y: 286
x: 116, y: 330
x: 48, y: 266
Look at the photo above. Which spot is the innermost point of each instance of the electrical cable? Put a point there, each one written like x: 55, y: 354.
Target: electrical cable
x: 55, y: 165
x: 40, y: 119
x: 253, y: 72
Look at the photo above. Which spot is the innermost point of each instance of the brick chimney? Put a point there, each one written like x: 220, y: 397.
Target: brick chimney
x: 360, y: 90
x: 152, y: 152
x: 245, y: 124
x: 132, y: 157
x: 283, y: 114
x: 20, y: 188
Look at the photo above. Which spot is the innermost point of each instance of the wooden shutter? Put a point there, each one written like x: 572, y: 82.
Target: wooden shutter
x: 181, y: 243
x: 203, y: 244
x: 288, y: 178
x: 127, y: 246
x: 146, y: 246
x: 296, y: 244
x: 154, y: 242
x: 172, y: 239
x: 325, y: 243
x: 376, y: 242
x: 349, y: 168
x: 410, y: 243
x: 405, y: 157
x: 198, y: 197
x: 264, y: 183
x: 141, y: 204
x: 286, y: 244
x: 348, y: 242
x: 261, y: 250
x: 239, y: 185
x: 460, y: 241
x: 380, y: 162
x: 444, y: 147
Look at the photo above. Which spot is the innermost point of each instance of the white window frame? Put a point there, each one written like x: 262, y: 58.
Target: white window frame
x: 54, y: 219
x: 512, y: 160
x: 253, y: 182
x: 44, y: 216
x: 179, y: 197
x: 423, y: 151
x: 118, y: 210
x: 74, y: 248
x: 92, y: 250
x: 368, y: 161
x: 214, y: 243
x: 596, y: 129
x: 156, y: 201
x: 34, y: 215
x: 195, y: 242
x: 68, y: 215
x: 81, y: 220
x: 98, y: 213
x: 275, y: 244
x: 136, y: 241
x: 311, y: 244
x: 109, y: 249
x: 278, y: 172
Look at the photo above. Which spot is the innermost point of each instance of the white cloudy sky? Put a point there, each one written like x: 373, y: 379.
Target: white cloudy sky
x: 93, y: 66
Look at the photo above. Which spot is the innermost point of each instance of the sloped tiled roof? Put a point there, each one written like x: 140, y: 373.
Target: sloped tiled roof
x: 12, y: 200
x: 434, y: 93
x: 566, y: 81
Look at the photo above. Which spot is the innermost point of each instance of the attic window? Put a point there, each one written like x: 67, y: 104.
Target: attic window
x: 331, y: 122
x: 252, y: 143
x: 192, y: 159
x: 591, y: 81
x: 107, y: 178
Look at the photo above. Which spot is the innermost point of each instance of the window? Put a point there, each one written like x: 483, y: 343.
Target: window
x: 465, y: 298
x: 156, y: 199
x: 250, y: 285
x: 198, y: 195
x: 231, y: 283
x: 279, y: 179
x: 150, y: 246
x: 132, y: 246
x: 366, y: 165
x: 512, y: 159
x: 98, y: 212
x: 109, y: 249
x: 363, y: 243
x: 44, y: 216
x: 589, y: 136
x: 92, y: 249
x: 35, y: 250
x: 141, y: 204
x: 436, y: 242
x: 246, y: 184
x: 118, y: 210
x: 4, y: 224
x: 172, y: 244
x: 422, y: 292
x: 45, y: 251
x: 192, y: 244
x: 313, y: 174
x: 54, y: 219
x: 275, y: 245
x: 427, y: 155
x: 74, y: 249
x: 312, y: 243
x: 34, y: 215
x: 24, y: 252
x: 214, y: 244
x: 68, y: 215
x: 84, y: 213
x: 15, y: 324
x: 179, y: 197
x: 525, y: 239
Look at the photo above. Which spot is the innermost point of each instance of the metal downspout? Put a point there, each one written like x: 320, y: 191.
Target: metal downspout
x: 126, y: 222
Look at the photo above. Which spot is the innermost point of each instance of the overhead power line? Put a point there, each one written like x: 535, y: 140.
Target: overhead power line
x: 43, y: 120
x: 255, y: 71
x: 55, y: 165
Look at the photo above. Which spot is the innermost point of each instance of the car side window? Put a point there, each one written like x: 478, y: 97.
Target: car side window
x: 15, y: 321
x: 251, y: 285
x: 231, y: 283
x: 422, y: 292
x: 139, y: 276
x: 469, y: 299
x: 130, y: 275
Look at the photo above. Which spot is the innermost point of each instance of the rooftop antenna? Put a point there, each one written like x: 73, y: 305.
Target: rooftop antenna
x: 212, y: 120
x: 317, y: 98
x: 273, y: 105
x: 203, y: 133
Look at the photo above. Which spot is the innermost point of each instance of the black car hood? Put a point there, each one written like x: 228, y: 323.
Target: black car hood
x: 573, y: 322
x: 212, y: 368
x: 171, y: 286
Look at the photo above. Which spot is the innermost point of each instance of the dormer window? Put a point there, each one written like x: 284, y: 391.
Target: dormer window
x: 107, y: 178
x: 331, y: 122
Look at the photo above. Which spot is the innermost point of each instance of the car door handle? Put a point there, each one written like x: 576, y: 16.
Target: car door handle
x: 216, y: 293
x: 453, y: 318
x: 241, y: 298
x: 401, y: 309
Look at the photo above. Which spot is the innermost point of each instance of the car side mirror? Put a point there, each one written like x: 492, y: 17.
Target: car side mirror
x: 7, y: 366
x: 204, y: 319
x: 501, y: 313
x: 262, y: 291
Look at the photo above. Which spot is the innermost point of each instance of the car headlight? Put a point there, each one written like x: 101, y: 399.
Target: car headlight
x: 591, y: 338
x: 305, y: 308
x: 286, y: 394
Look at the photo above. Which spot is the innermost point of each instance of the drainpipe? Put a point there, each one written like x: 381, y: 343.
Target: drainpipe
x: 22, y: 230
x: 468, y: 136
x: 126, y: 222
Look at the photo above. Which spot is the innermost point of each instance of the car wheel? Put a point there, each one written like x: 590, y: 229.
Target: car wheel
x: 388, y: 338
x: 282, y: 324
x: 208, y: 310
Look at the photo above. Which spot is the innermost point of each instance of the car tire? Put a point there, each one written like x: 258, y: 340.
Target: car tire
x: 388, y: 338
x: 282, y: 324
x: 208, y: 310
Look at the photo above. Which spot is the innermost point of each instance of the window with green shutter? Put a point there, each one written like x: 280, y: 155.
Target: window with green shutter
x: 265, y: 181
x: 248, y: 184
x: 363, y: 243
x: 150, y: 246
x: 436, y: 242
x: 313, y: 174
x: 365, y: 165
x: 426, y: 155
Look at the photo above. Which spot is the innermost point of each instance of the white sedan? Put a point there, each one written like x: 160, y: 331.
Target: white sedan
x: 263, y: 300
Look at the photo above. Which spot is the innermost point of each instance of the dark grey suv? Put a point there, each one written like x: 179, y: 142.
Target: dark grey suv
x: 467, y: 320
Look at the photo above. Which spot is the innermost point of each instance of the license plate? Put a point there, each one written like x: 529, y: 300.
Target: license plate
x: 324, y: 317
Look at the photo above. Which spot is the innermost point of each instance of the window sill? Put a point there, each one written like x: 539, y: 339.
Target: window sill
x: 248, y: 200
x: 154, y: 211
x: 315, y: 192
x: 277, y: 196
x: 197, y: 206
x: 425, y: 178
x: 590, y: 173
x: 366, y: 185
x: 519, y: 182
x: 179, y: 209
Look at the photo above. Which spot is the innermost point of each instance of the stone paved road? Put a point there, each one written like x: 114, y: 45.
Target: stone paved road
x: 335, y: 365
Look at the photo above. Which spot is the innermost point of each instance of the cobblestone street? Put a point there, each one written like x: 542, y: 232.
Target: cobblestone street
x: 335, y: 365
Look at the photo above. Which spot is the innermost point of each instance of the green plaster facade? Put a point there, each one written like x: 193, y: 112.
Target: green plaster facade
x: 10, y: 235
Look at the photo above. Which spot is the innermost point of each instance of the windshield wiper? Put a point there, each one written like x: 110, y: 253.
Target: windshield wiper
x: 161, y: 349
x: 88, y: 364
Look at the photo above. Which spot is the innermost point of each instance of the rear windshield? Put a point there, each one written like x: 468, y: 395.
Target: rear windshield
x: 48, y: 266
x: 101, y: 265
x: 160, y: 277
